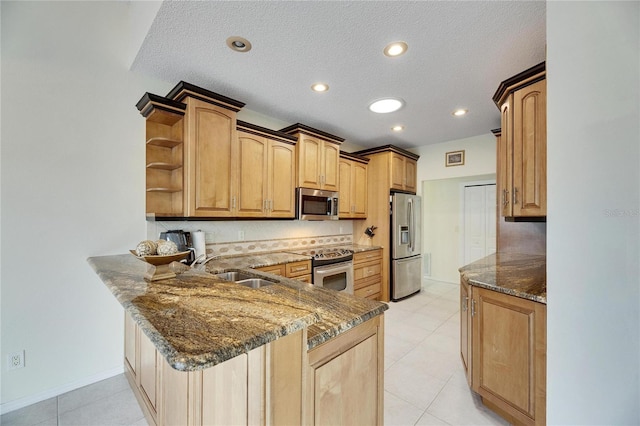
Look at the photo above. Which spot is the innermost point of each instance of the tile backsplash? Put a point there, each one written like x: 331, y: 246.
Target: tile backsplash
x: 285, y: 244
x: 224, y: 238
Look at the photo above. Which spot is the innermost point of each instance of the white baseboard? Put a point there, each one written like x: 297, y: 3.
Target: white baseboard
x: 16, y: 404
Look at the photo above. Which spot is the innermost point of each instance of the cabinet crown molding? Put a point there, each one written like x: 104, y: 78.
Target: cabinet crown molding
x: 387, y: 148
x: 263, y: 131
x: 150, y: 102
x: 301, y: 128
x: 354, y: 157
x: 518, y: 81
x: 183, y: 90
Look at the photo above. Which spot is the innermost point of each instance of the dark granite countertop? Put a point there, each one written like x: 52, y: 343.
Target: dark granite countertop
x: 197, y: 320
x: 521, y: 275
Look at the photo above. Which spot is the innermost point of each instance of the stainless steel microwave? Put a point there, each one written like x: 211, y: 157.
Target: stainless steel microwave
x: 316, y: 204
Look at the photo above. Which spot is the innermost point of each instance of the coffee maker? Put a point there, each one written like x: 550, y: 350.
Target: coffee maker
x: 182, y: 240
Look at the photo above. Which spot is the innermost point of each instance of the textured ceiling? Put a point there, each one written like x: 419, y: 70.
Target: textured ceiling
x: 458, y: 54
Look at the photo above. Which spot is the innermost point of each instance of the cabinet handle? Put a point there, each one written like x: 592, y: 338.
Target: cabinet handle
x: 271, y: 205
x: 465, y: 303
x: 473, y: 307
x: 233, y: 202
x: 505, y: 197
x: 515, y: 196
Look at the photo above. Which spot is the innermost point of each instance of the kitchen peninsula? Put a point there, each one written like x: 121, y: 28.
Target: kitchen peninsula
x: 200, y: 350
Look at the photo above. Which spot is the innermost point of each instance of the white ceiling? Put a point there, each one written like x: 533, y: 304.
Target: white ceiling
x: 458, y: 54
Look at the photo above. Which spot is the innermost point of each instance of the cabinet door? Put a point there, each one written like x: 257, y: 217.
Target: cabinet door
x: 530, y: 151
x: 411, y: 175
x: 504, y: 165
x: 130, y: 350
x: 309, y: 162
x: 359, y: 190
x: 252, y: 194
x: 149, y: 373
x: 465, y: 329
x: 508, y: 365
x: 281, y: 171
x: 330, y: 174
x: 212, y: 159
x: 345, y: 205
x: 397, y: 171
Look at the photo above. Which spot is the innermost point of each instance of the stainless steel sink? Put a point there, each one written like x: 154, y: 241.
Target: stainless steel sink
x: 234, y: 276
x: 244, y: 279
x: 254, y: 282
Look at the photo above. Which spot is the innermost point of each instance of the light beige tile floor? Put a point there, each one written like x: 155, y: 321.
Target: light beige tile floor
x: 424, y: 380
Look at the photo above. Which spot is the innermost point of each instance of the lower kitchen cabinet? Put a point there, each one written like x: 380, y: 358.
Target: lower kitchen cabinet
x: 503, y: 349
x: 345, y: 378
x: 299, y: 271
x: 367, y: 273
x: 339, y: 382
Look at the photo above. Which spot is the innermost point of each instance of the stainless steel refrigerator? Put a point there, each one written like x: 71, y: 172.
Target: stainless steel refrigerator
x: 406, y: 256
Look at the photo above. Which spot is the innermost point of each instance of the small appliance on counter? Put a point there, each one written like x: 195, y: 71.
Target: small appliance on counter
x: 182, y: 240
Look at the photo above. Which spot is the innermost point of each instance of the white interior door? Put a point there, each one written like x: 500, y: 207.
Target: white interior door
x: 479, y: 222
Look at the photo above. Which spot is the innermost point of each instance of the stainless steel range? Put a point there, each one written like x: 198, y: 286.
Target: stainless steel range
x: 332, y: 267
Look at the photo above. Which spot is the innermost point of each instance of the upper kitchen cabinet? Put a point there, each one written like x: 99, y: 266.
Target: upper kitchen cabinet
x: 403, y: 173
x: 164, y: 155
x: 317, y: 158
x: 522, y: 145
x: 211, y: 148
x: 267, y: 169
x: 353, y: 186
x: 192, y: 153
x: 400, y: 166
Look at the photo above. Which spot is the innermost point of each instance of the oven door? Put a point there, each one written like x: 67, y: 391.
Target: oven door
x: 337, y: 276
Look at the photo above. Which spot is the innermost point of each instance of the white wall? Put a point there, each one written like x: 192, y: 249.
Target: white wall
x: 440, y: 188
x: 480, y: 157
x: 593, y: 232
x: 71, y: 188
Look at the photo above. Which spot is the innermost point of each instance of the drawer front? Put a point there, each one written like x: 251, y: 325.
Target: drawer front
x: 296, y: 269
x: 274, y: 269
x: 366, y: 270
x: 370, y: 291
x: 366, y: 256
x: 303, y: 278
x: 366, y: 282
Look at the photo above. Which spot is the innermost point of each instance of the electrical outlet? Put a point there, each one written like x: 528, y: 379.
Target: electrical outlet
x: 15, y: 360
x: 209, y: 237
x: 240, y: 235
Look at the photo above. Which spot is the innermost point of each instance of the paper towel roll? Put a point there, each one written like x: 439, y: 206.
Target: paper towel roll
x: 197, y: 238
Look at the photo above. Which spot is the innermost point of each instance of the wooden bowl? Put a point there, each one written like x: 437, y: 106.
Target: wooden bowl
x: 158, y: 266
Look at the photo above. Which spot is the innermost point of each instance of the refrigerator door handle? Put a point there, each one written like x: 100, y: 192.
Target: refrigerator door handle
x: 410, y: 222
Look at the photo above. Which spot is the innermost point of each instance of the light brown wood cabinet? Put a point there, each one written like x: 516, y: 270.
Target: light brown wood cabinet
x: 317, y: 157
x: 299, y: 271
x: 522, y: 145
x: 367, y: 274
x: 403, y: 173
x: 192, y: 153
x: 266, y: 173
x: 345, y: 378
x: 379, y: 186
x: 338, y: 382
x: 353, y: 187
x: 503, y: 349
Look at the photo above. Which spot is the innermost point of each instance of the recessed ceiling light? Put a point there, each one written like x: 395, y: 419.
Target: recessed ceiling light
x: 460, y: 112
x: 397, y: 128
x: 239, y: 44
x: 396, y: 48
x: 319, y: 87
x: 383, y: 106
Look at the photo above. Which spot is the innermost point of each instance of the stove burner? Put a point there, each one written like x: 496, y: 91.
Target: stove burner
x: 327, y: 255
